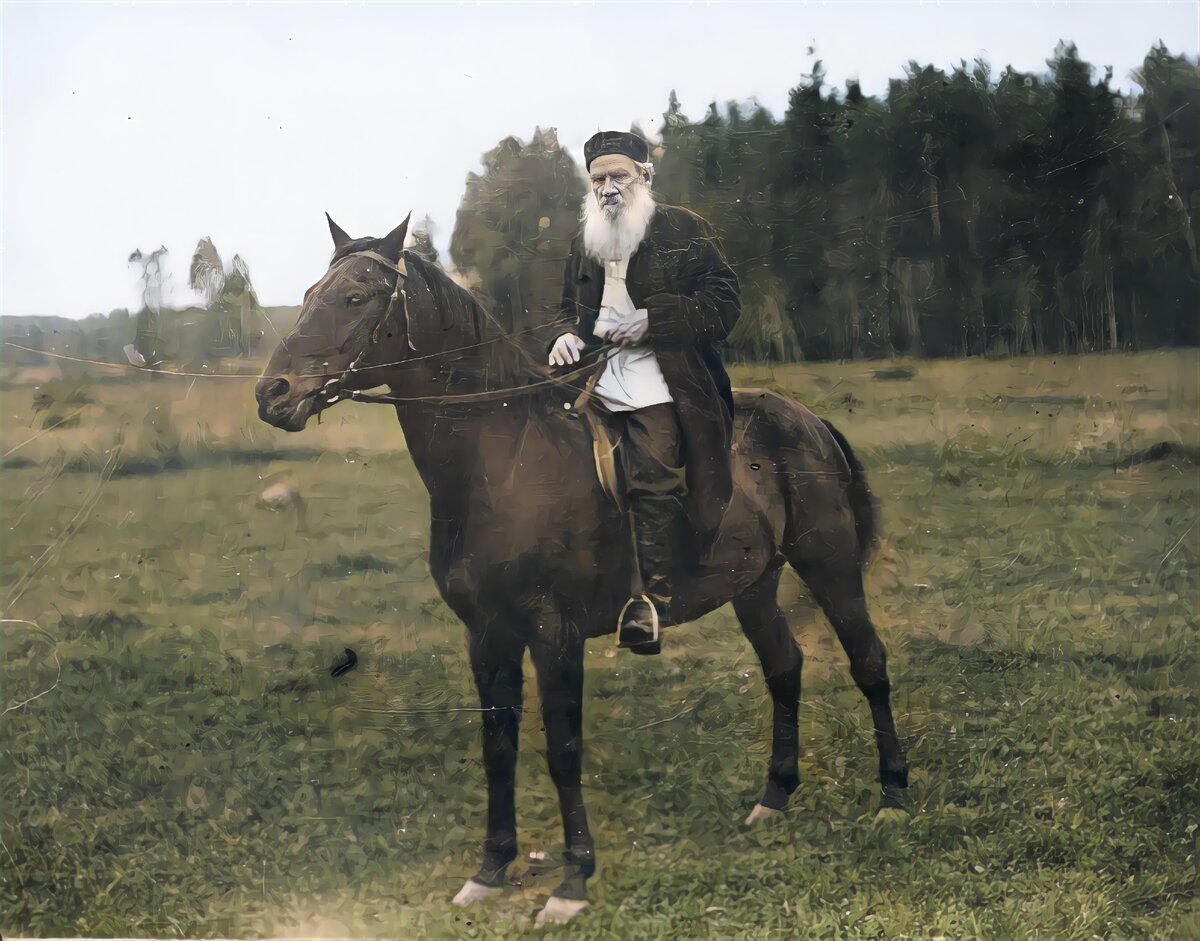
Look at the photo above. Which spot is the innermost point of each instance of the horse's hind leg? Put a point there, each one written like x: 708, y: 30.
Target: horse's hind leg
x: 837, y: 585
x: 765, y: 625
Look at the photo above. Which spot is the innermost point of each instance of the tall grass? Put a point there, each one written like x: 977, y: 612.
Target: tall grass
x: 194, y: 770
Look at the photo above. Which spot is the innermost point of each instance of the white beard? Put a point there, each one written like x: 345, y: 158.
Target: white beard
x: 608, y: 239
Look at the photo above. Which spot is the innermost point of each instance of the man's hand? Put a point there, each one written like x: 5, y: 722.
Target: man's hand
x: 632, y: 332
x: 566, y: 350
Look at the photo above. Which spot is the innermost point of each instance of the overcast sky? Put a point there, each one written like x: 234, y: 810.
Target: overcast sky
x: 133, y: 125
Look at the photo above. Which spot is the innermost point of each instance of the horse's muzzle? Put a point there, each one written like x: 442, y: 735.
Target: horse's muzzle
x: 281, y: 405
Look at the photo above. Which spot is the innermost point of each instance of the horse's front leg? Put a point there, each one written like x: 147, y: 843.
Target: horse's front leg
x: 558, y: 657
x: 496, y: 653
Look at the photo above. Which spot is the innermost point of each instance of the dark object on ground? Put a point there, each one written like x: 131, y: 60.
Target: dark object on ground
x: 351, y: 660
x: 896, y: 372
x: 1158, y: 452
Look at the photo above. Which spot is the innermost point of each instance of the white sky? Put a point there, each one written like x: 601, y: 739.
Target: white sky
x: 130, y: 125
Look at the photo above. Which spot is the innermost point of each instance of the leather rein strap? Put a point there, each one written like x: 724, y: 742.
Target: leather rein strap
x: 593, y: 370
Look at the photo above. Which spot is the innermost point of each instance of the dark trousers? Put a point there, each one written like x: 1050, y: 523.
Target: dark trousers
x: 650, y: 451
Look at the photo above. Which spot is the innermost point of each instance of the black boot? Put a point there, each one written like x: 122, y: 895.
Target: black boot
x: 656, y: 533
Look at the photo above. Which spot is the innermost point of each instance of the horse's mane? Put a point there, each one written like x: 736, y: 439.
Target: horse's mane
x: 450, y: 296
x: 501, y: 361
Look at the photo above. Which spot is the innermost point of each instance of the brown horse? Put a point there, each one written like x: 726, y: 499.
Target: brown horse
x: 530, y: 553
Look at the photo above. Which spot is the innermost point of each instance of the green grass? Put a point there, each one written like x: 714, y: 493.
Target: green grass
x: 197, y: 772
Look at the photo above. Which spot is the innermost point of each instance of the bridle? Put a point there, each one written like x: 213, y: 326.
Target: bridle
x: 332, y: 390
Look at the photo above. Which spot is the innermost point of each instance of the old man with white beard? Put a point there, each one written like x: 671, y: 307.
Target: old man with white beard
x: 651, y: 280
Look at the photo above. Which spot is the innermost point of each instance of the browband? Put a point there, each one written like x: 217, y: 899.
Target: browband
x: 399, y: 267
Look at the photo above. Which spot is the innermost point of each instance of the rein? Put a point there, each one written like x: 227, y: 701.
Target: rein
x: 592, y: 370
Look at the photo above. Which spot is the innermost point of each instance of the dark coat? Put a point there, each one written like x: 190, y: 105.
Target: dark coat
x: 680, y: 276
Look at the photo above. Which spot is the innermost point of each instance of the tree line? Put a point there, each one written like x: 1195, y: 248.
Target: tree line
x: 961, y: 213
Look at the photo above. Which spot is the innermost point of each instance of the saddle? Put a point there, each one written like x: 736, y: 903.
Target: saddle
x: 604, y: 444
x: 604, y: 454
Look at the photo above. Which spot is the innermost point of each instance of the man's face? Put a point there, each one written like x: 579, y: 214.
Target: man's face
x: 613, y: 176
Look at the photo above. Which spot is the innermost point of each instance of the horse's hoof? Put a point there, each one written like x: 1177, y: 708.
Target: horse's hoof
x: 474, y: 892
x: 762, y: 813
x: 559, y: 911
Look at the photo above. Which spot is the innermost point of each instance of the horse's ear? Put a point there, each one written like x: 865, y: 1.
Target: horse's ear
x: 393, y: 243
x: 340, y: 238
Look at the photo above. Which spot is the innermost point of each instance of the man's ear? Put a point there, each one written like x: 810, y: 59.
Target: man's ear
x: 393, y: 243
x: 340, y: 238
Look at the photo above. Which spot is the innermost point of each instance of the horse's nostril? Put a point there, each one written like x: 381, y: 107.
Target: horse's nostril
x: 272, y: 387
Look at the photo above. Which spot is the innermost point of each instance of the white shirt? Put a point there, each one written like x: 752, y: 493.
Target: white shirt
x: 632, y: 378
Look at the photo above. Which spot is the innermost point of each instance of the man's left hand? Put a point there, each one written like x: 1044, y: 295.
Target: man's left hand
x: 632, y: 332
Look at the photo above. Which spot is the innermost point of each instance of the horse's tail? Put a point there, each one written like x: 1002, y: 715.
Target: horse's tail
x: 862, y: 501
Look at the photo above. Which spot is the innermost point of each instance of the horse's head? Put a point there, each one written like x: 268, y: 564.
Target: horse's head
x: 348, y: 319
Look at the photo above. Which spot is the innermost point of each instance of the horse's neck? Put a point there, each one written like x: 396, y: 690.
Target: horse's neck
x: 445, y: 440
x: 445, y: 450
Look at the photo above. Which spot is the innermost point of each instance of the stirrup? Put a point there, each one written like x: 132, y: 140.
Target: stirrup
x: 656, y: 634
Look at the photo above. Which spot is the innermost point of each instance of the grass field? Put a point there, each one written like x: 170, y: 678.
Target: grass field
x: 190, y: 768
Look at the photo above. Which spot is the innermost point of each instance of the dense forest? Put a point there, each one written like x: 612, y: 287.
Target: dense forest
x: 962, y: 213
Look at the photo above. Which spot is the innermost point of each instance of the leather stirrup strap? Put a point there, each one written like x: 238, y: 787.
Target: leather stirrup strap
x: 585, y: 397
x: 604, y: 455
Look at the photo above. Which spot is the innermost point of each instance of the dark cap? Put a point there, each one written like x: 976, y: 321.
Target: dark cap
x: 615, y: 142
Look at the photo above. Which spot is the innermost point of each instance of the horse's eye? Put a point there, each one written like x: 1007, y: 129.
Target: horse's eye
x: 354, y: 299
